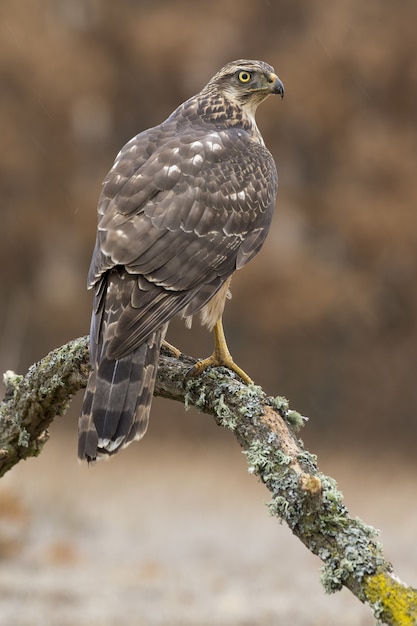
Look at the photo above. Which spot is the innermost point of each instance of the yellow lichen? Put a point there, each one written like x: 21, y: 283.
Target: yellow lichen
x: 393, y: 602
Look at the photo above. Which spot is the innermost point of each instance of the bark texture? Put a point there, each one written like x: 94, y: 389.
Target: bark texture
x: 265, y: 427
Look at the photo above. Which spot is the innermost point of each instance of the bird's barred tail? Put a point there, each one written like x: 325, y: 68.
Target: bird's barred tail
x: 117, y: 401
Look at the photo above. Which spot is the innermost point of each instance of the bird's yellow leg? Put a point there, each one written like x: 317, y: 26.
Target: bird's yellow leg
x: 220, y: 356
x: 168, y: 346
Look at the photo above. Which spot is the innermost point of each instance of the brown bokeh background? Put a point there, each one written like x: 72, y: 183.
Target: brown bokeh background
x: 326, y: 314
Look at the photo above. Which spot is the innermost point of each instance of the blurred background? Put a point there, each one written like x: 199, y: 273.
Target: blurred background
x: 325, y: 315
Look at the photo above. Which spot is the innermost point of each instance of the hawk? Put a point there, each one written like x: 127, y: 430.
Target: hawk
x: 185, y: 204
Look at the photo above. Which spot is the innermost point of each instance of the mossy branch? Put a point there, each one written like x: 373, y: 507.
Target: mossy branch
x: 308, y: 501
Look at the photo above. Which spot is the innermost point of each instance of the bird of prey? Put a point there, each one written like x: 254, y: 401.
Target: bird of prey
x: 185, y: 204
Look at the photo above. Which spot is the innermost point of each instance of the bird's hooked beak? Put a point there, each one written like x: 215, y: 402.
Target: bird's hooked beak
x: 275, y: 85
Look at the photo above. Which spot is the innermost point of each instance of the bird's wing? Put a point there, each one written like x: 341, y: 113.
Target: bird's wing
x: 180, y: 214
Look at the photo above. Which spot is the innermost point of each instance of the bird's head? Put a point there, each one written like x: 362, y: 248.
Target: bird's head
x: 246, y: 83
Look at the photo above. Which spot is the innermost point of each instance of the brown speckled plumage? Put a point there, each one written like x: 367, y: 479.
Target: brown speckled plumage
x: 185, y: 204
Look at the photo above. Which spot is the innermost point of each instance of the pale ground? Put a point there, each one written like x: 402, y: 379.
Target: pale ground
x: 171, y: 534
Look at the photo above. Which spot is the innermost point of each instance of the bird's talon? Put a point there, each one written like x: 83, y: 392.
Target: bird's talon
x: 199, y: 367
x: 170, y: 348
x: 191, y: 372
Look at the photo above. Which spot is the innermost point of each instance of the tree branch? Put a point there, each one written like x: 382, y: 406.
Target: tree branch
x: 304, y: 498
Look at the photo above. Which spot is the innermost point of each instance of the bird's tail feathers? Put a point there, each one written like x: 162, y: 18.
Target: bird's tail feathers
x: 117, y: 401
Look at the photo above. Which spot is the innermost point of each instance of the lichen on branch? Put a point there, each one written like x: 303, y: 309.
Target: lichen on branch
x: 307, y: 500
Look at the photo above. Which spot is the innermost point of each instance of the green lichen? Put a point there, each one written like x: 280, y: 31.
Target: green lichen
x: 51, y: 384
x: 24, y: 438
x: 258, y: 456
x: 293, y: 418
x: 228, y: 419
x: 265, y: 461
x: 279, y: 507
x: 308, y: 460
x: 347, y: 547
x: 286, y: 503
x: 279, y: 403
x: 250, y: 399
x: 331, y: 491
x: 358, y: 553
x: 190, y: 398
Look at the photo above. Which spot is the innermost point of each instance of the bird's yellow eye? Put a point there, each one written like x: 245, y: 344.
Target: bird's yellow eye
x: 244, y: 77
